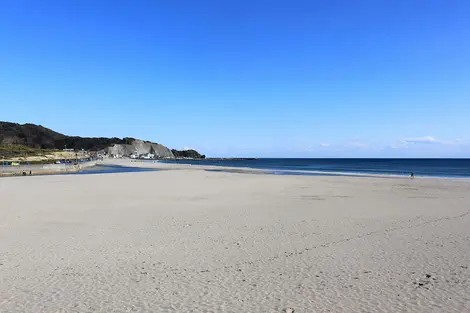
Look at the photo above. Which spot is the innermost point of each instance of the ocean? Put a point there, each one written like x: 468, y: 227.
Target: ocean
x: 450, y: 168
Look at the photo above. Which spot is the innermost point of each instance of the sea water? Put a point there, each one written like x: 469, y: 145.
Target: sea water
x: 403, y: 167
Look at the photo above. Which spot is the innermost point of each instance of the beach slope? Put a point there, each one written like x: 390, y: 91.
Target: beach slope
x: 197, y: 241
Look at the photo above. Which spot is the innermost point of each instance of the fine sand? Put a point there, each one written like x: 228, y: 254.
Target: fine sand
x: 187, y: 240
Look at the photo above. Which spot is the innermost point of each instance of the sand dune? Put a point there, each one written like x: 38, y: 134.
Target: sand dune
x: 195, y: 241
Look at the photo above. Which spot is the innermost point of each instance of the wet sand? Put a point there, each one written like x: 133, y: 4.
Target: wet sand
x: 188, y: 240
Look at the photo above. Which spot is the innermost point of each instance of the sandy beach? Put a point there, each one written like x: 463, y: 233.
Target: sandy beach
x: 184, y: 239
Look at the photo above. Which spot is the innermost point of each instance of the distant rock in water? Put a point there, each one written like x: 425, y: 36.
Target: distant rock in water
x: 190, y: 154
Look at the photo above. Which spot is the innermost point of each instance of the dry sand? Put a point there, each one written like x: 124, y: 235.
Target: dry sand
x: 196, y: 241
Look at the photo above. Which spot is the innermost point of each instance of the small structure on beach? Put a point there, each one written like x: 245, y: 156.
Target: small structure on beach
x: 147, y: 156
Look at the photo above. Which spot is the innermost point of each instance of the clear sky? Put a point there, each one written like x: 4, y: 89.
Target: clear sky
x: 245, y: 78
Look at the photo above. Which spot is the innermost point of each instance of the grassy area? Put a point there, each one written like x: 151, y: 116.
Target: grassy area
x: 16, y: 151
x: 24, y: 154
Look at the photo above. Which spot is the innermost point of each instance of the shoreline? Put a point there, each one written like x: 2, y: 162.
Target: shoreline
x: 59, y: 169
x: 165, y: 165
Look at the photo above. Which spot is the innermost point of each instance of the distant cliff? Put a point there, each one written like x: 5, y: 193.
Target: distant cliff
x: 39, y: 137
x: 140, y: 148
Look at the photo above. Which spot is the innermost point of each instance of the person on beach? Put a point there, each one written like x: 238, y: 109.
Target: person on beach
x: 412, y: 175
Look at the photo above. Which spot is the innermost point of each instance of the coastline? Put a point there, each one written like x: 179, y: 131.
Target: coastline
x: 165, y: 165
x: 57, y: 169
x: 432, y: 168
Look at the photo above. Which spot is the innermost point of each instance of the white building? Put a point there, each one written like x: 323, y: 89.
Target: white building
x: 148, y: 156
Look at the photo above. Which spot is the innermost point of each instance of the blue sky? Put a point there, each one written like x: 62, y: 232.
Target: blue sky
x: 245, y: 78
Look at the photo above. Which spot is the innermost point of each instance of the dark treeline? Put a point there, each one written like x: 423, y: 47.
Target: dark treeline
x: 193, y: 154
x: 37, y: 136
